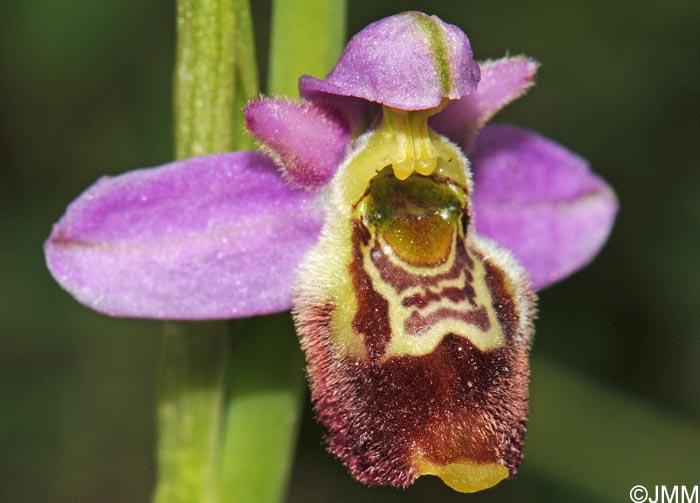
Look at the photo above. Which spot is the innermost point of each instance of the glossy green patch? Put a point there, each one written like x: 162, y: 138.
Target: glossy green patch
x: 415, y: 217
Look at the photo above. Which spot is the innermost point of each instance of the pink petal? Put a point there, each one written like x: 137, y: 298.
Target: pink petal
x: 409, y: 61
x: 539, y: 200
x: 209, y: 237
x: 307, y: 140
x: 501, y: 82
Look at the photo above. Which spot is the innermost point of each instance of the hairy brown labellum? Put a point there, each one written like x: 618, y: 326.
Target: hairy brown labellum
x: 416, y: 330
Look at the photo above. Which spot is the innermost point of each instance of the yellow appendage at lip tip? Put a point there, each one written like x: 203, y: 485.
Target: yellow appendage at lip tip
x: 466, y: 476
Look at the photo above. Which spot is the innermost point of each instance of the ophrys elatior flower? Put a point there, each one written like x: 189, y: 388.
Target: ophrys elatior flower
x: 416, y: 238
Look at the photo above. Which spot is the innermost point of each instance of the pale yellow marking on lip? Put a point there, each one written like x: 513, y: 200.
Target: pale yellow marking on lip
x: 327, y: 264
x: 403, y: 343
x: 465, y: 476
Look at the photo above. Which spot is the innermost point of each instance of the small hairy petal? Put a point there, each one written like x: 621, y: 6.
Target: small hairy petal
x: 307, y: 140
x: 409, y: 61
x: 209, y: 237
x: 502, y: 81
x: 539, y: 200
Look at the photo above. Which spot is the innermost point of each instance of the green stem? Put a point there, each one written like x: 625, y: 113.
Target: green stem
x: 204, y: 77
x: 246, y: 81
x: 190, y: 384
x: 192, y: 377
x: 307, y: 37
x: 267, y: 389
x: 218, y: 445
x: 267, y: 381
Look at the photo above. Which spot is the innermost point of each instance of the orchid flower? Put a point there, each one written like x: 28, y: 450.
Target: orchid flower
x: 407, y: 236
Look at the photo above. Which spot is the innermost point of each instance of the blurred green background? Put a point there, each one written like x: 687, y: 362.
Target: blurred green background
x: 85, y: 91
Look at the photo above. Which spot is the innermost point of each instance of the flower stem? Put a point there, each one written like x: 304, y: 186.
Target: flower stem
x: 307, y: 37
x: 204, y: 86
x: 194, y: 356
x: 266, y: 393
x: 190, y: 384
x: 265, y: 375
x: 228, y: 405
x: 247, y: 85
